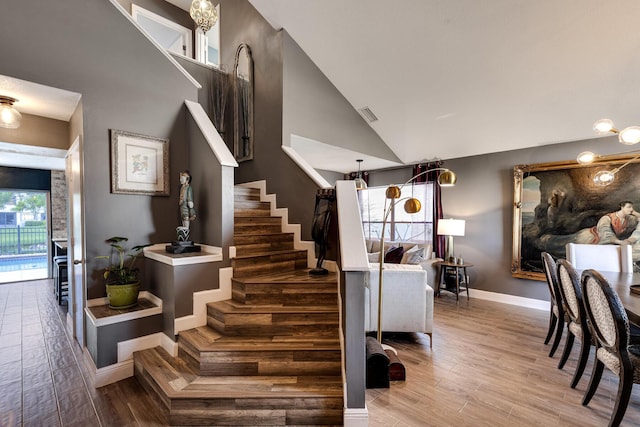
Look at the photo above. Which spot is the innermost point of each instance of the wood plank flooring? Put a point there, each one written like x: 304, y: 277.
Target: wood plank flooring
x: 488, y: 367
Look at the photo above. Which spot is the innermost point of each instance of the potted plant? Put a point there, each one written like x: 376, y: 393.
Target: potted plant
x: 121, y: 275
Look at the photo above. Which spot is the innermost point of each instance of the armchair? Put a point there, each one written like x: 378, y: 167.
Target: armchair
x: 407, y: 305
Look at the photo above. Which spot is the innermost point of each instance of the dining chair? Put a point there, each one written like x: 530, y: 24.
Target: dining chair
x: 610, y: 328
x: 600, y: 257
x: 557, y: 315
x: 577, y: 324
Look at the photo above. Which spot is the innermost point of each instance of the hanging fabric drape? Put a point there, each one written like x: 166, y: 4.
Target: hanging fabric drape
x: 438, y: 241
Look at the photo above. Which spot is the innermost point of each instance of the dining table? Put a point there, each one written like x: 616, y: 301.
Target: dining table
x: 621, y: 283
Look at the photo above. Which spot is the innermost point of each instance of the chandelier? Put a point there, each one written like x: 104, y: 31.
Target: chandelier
x: 204, y: 14
x: 627, y: 136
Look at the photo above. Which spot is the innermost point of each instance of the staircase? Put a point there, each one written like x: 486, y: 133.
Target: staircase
x: 268, y: 356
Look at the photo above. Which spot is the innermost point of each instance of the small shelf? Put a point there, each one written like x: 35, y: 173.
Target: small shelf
x: 100, y: 314
x: 159, y: 253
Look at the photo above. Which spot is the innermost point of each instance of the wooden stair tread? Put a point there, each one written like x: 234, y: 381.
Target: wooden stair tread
x: 295, y: 276
x: 165, y: 370
x: 265, y: 235
x: 268, y: 387
x: 205, y: 338
x: 231, y: 306
x: 271, y: 253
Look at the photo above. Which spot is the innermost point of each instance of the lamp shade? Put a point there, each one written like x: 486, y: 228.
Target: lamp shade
x: 586, y: 157
x: 603, y: 126
x: 9, y: 117
x: 629, y: 135
x: 451, y: 227
x: 447, y: 179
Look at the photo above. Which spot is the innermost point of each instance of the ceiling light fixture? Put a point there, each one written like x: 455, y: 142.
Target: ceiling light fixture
x: 204, y: 14
x: 360, y: 182
x: 9, y: 117
x: 586, y: 157
x: 627, y: 136
x: 606, y: 177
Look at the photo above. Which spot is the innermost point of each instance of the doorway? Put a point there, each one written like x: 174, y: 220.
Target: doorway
x: 24, y: 235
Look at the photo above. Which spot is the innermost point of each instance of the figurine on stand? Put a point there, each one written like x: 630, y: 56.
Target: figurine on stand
x: 187, y: 214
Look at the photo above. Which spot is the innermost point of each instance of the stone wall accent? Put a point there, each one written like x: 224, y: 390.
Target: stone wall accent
x: 58, y: 205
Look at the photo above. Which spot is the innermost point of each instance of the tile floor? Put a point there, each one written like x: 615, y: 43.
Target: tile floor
x: 41, y: 383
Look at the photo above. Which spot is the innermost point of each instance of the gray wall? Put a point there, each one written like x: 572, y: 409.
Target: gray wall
x: 483, y: 196
x: 89, y: 47
x: 241, y: 23
x: 313, y: 108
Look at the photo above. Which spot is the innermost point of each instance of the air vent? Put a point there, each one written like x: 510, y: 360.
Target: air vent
x: 368, y: 114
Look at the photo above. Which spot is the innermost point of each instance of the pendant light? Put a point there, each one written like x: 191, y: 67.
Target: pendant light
x: 204, y: 14
x: 360, y: 183
x: 9, y: 117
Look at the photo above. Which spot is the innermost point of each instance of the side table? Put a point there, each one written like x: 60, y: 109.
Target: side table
x: 455, y: 268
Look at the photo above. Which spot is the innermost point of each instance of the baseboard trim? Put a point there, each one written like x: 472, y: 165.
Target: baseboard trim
x: 200, y: 301
x: 126, y: 348
x: 355, y: 417
x: 108, y: 374
x: 509, y: 299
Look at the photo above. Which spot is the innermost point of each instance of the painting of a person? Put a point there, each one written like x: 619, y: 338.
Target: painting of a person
x: 618, y: 227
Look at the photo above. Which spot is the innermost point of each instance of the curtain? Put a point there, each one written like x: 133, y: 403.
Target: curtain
x: 438, y: 241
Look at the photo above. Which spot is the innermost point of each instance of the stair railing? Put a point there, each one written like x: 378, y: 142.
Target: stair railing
x: 354, y: 267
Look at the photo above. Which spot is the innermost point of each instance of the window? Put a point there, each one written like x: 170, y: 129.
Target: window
x: 171, y: 36
x: 401, y: 226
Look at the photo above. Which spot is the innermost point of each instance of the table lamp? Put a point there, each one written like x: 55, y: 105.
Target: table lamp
x: 450, y: 228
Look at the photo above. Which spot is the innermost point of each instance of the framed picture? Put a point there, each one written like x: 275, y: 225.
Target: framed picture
x: 139, y: 164
x: 557, y: 203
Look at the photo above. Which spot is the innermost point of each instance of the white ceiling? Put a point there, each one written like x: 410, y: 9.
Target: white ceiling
x: 37, y: 100
x: 40, y: 100
x: 450, y: 79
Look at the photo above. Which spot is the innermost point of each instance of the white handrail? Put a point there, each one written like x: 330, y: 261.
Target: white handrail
x: 353, y: 249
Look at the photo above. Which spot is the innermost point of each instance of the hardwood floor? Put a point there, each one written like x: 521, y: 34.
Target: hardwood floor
x: 488, y: 367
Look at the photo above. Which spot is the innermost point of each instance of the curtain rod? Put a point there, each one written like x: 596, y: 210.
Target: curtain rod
x: 392, y: 168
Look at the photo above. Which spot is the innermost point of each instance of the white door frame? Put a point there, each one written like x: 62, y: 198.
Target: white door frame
x: 76, y: 243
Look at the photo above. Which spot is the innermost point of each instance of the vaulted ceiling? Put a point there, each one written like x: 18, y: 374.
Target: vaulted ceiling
x: 450, y: 79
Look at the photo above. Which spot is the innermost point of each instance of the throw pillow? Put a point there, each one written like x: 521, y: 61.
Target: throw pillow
x: 414, y: 255
x: 394, y: 256
x: 374, y: 257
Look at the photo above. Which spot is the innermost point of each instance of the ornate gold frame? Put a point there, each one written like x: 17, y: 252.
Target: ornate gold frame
x: 624, y: 184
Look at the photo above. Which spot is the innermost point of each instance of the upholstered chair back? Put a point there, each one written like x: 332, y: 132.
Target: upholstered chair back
x: 608, y: 319
x: 571, y: 292
x: 600, y: 257
x: 550, y: 270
